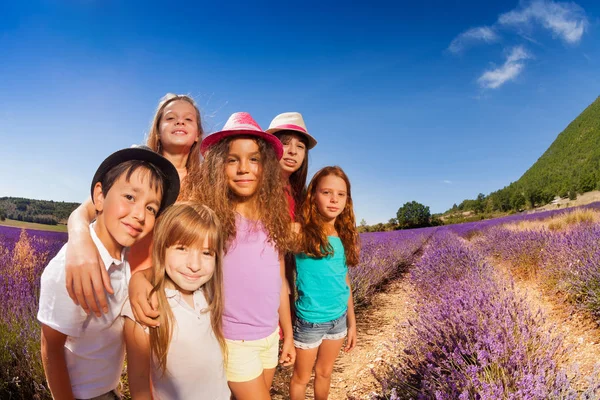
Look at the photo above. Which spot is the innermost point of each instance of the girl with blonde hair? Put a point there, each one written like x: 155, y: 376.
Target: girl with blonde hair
x: 175, y: 133
x: 183, y: 357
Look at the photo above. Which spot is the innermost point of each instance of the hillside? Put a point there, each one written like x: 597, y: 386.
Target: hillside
x: 572, y: 162
x: 38, y: 211
x: 570, y: 166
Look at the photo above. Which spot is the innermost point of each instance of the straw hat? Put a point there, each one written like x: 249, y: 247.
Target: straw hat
x: 241, y: 123
x: 291, y: 121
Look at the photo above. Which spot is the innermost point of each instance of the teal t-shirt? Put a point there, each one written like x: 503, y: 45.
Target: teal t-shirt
x: 321, y: 282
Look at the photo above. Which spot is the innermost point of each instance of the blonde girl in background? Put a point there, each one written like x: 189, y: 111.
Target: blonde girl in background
x: 183, y: 357
x: 175, y: 133
x: 328, y: 244
x: 241, y: 180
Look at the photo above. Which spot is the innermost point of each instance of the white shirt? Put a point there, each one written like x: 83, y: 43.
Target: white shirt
x: 95, y: 348
x: 195, y: 367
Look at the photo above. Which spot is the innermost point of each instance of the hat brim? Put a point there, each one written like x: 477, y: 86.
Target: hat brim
x: 312, y: 142
x: 216, y: 137
x: 171, y: 184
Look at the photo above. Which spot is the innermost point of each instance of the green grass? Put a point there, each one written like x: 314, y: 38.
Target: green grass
x: 31, y: 225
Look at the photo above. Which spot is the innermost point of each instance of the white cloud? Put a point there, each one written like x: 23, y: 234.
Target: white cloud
x: 446, y: 181
x: 566, y: 20
x: 469, y: 37
x: 512, y: 67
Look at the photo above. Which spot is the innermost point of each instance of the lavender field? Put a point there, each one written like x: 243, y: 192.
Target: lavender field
x: 474, y: 337
x: 23, y: 256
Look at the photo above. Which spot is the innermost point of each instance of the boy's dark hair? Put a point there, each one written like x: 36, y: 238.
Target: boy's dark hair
x: 156, y: 176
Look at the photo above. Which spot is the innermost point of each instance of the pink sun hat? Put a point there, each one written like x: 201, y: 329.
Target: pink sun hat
x: 241, y: 124
x: 291, y: 121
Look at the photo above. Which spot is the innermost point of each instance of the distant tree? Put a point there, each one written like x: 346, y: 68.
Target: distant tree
x: 362, y: 226
x: 587, y: 182
x: 572, y: 194
x: 392, y: 221
x: 479, y: 204
x: 413, y: 215
x: 533, y: 196
x: 2, y: 214
x: 436, y: 220
x: 517, y: 201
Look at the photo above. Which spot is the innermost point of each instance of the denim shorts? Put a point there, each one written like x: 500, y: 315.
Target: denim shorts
x: 308, y: 335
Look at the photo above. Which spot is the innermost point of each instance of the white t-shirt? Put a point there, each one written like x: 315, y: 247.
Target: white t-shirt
x: 95, y: 349
x: 195, y: 367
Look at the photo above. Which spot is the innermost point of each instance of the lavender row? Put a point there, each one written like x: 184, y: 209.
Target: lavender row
x: 383, y: 255
x: 566, y: 261
x: 473, y: 338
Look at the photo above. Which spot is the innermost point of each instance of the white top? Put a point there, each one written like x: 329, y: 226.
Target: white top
x: 95, y: 349
x: 195, y: 367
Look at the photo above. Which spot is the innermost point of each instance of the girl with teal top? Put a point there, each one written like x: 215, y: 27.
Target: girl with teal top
x: 328, y: 244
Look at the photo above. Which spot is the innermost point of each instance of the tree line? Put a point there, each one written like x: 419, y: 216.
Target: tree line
x: 411, y: 215
x: 39, y: 211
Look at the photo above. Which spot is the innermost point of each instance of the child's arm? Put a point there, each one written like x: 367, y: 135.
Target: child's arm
x: 86, y: 276
x: 55, y: 364
x: 145, y: 309
x: 288, y: 351
x: 350, y: 320
x: 137, y: 343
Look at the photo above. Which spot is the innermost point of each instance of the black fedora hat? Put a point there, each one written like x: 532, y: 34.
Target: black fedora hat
x: 143, y: 153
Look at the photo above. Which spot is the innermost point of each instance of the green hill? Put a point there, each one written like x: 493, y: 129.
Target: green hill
x: 38, y: 211
x: 569, y: 166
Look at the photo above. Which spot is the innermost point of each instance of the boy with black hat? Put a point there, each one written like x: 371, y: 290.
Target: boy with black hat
x: 83, y: 354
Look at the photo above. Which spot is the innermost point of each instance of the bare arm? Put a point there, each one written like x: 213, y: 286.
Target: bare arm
x: 288, y: 352
x: 137, y: 343
x: 145, y: 309
x: 86, y: 277
x: 350, y: 320
x: 55, y: 364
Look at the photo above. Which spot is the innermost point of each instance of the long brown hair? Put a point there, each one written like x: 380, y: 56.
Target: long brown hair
x: 210, y: 187
x: 187, y: 224
x: 298, y: 178
x: 153, y: 140
x: 313, y: 237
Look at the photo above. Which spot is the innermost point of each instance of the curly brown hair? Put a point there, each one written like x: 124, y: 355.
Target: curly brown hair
x: 210, y: 187
x: 187, y: 224
x: 153, y: 140
x: 313, y: 237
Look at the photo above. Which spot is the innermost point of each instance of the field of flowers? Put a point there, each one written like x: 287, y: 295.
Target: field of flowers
x: 474, y: 337
x: 23, y: 256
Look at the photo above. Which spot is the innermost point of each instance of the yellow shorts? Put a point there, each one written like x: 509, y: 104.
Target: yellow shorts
x: 246, y: 359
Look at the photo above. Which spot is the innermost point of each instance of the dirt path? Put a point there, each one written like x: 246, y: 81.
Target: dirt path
x: 384, y: 319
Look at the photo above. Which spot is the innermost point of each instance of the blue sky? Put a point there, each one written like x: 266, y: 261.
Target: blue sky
x: 434, y: 102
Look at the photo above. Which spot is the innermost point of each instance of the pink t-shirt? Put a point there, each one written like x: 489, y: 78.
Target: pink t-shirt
x: 252, y: 280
